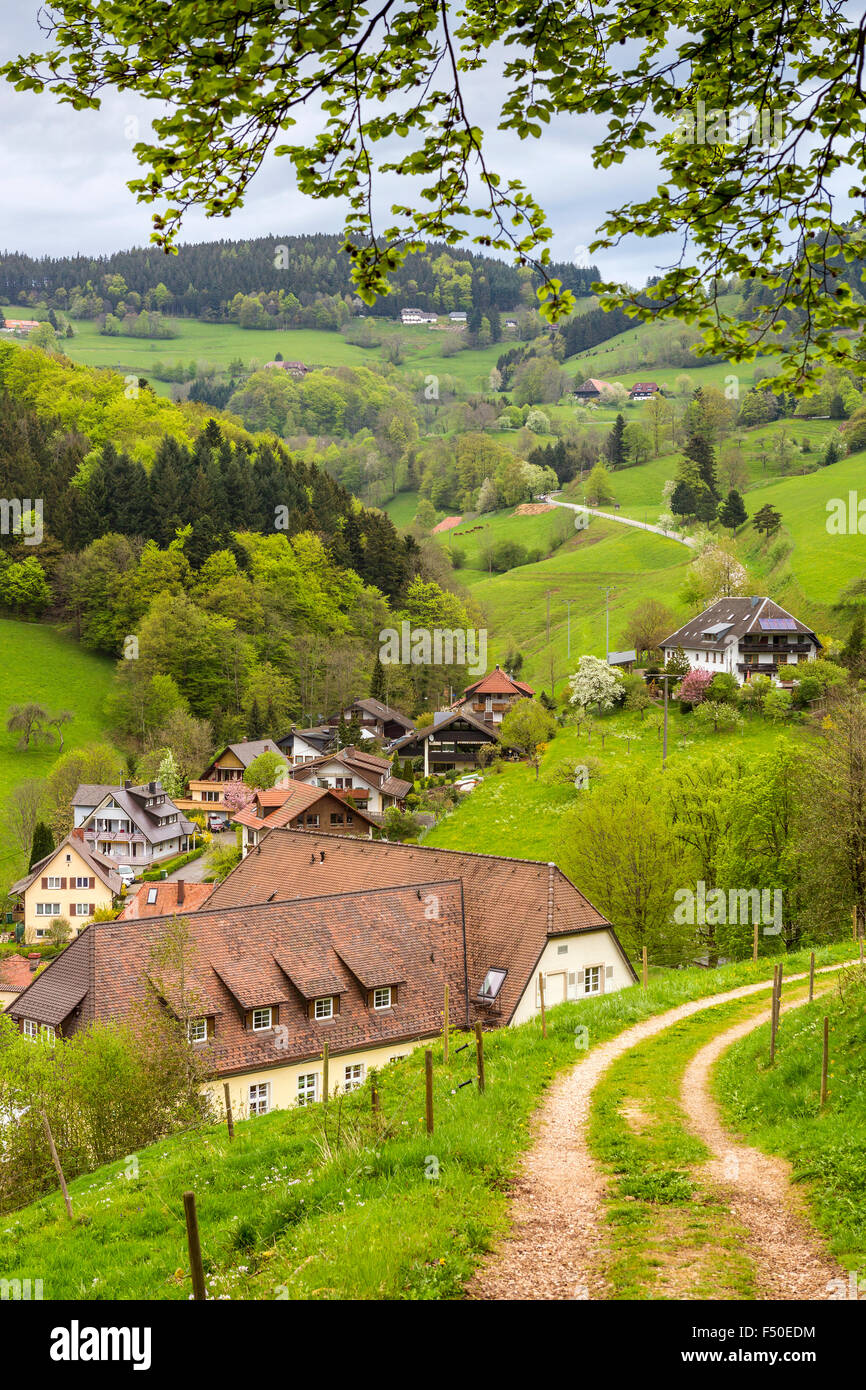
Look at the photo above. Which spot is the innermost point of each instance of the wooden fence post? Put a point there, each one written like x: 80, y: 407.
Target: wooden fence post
x: 229, y: 1117
x: 446, y: 1025
x: 755, y: 944
x: 541, y: 994
x: 374, y: 1098
x: 825, y: 1061
x: 428, y: 1087
x: 645, y: 968
x: 199, y: 1292
x: 479, y: 1055
x: 325, y: 1083
x: 56, y: 1161
x: 811, y: 976
x: 773, y: 1016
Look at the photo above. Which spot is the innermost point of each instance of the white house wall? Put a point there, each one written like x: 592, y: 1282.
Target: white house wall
x: 568, y: 955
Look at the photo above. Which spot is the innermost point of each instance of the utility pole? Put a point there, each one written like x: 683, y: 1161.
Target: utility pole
x: 607, y: 593
x: 568, y: 603
x: 665, y: 676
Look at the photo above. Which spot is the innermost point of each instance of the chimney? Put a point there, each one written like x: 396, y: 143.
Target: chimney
x: 181, y: 890
x: 151, y: 786
x: 127, y: 784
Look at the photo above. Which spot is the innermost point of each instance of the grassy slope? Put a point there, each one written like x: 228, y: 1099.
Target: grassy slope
x: 40, y: 663
x: 514, y: 813
x: 285, y: 1211
x: 777, y: 1109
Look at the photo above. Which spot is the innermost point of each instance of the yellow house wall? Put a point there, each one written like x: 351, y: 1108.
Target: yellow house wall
x: 284, y: 1080
x: 583, y: 949
x: 99, y: 894
x: 7, y: 997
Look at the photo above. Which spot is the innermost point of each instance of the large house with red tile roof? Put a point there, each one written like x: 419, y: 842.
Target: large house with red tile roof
x: 591, y: 389
x: 284, y: 960
x: 491, y: 697
x: 300, y: 807
x: 350, y: 772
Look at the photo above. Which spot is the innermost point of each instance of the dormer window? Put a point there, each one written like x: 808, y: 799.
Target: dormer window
x: 261, y: 1020
x: 196, y: 1030
x: 382, y: 997
x: 324, y: 1008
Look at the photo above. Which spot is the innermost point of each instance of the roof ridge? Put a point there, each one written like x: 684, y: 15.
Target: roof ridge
x: 427, y: 849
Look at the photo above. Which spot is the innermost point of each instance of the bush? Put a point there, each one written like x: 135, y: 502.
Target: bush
x: 806, y: 690
x: 723, y: 689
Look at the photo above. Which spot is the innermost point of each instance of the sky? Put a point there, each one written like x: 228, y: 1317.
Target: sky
x: 65, y: 175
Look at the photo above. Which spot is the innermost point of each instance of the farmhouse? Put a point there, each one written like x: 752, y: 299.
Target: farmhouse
x: 22, y: 325
x: 301, y: 807
x: 135, y: 825
x: 458, y: 317
x: 520, y: 916
x: 491, y: 697
x: 745, y: 637
x: 205, y: 792
x: 350, y: 772
x: 71, y: 882
x: 591, y: 389
x: 453, y: 741
x: 410, y: 316
x: 644, y: 390
x: 297, y: 369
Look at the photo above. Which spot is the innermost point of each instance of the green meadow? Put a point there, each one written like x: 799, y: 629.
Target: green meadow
x: 40, y: 663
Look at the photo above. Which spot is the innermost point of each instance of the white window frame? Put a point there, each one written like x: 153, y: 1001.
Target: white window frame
x: 308, y: 1088
x: 325, y: 1012
x: 52, y: 881
x: 81, y: 910
x: 47, y: 909
x: 30, y: 1028
x: 382, y: 990
x: 151, y: 896
x: 591, y: 972
x: 354, y: 1075
x: 82, y: 881
x: 259, y: 1097
x: 194, y: 1028
x: 263, y: 1027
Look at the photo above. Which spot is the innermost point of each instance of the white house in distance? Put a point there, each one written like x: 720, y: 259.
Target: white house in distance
x: 745, y: 637
x: 138, y: 825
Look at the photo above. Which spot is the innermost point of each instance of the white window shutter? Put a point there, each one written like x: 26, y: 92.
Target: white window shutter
x: 580, y: 977
x: 572, y: 984
x: 608, y: 971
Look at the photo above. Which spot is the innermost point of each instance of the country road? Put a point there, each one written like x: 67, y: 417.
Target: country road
x: 623, y: 520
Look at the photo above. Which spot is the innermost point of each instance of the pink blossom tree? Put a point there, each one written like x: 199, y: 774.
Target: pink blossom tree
x: 694, y: 686
x: 237, y: 795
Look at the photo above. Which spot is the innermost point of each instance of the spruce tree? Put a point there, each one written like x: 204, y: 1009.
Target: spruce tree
x: 377, y: 681
x: 254, y: 721
x: 43, y: 843
x: 615, y: 448
x: 732, y: 512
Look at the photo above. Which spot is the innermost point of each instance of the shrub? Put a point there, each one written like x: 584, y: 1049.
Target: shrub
x: 723, y: 689
x: 694, y: 687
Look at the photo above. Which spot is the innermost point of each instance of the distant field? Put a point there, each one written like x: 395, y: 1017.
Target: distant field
x: 217, y: 344
x: 41, y: 664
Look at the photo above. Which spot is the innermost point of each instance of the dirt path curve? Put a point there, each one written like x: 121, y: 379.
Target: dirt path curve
x: 550, y: 1251
x: 791, y: 1260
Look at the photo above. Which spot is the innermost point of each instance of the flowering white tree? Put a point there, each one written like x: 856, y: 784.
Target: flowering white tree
x: 595, y: 683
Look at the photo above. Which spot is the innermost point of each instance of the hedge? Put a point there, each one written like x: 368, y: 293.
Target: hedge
x: 151, y: 875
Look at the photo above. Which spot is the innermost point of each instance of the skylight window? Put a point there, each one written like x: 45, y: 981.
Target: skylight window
x: 493, y: 982
x: 151, y: 895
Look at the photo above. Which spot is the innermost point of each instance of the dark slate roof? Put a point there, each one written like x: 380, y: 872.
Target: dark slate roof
x: 732, y: 618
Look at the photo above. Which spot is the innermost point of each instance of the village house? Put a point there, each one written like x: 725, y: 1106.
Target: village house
x: 451, y: 743
x: 377, y: 720
x: 623, y: 661
x: 591, y: 389
x: 644, y: 390
x: 411, y: 316
x: 457, y: 317
x: 16, y: 974
x: 71, y: 882
x: 283, y: 960
x: 134, y: 825
x: 746, y: 637
x: 520, y: 916
x: 303, y: 745
x: 350, y: 772
x: 21, y: 325
x: 165, y: 899
x: 301, y: 807
x: 205, y: 792
x: 297, y: 369
x: 491, y: 697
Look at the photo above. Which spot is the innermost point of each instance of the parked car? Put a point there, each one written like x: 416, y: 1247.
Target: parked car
x: 216, y: 823
x: 126, y: 874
